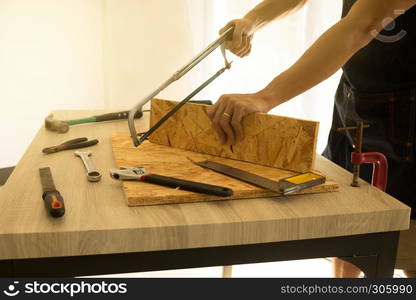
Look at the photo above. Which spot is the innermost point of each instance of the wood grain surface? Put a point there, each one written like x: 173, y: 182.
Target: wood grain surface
x: 98, y: 221
x: 269, y: 140
x: 168, y: 161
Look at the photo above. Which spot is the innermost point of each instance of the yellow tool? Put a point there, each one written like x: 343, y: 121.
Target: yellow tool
x: 300, y: 182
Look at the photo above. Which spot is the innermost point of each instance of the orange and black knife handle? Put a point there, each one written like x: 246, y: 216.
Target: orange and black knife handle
x: 54, y: 203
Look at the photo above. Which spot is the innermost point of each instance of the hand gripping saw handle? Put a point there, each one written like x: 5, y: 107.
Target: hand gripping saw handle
x: 177, y: 75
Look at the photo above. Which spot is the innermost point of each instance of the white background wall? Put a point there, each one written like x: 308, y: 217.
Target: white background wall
x: 93, y: 54
x: 51, y: 57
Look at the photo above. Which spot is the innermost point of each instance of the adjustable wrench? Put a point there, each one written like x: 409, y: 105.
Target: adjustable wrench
x: 140, y: 174
x: 92, y: 174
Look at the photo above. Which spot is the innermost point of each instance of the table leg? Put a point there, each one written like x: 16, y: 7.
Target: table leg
x: 227, y: 271
x: 381, y: 264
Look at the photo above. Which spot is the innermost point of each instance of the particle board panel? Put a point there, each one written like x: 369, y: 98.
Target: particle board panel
x: 269, y: 140
x: 168, y: 161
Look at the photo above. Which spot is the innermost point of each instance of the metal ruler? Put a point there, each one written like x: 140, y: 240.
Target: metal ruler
x: 284, y: 186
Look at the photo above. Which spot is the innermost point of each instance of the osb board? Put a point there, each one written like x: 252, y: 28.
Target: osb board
x: 269, y: 140
x: 174, y: 162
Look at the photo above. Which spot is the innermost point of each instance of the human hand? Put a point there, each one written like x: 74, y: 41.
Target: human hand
x: 227, y: 114
x: 240, y: 44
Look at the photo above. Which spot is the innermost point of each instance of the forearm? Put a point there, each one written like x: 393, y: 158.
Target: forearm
x: 327, y: 55
x: 332, y: 50
x: 269, y: 10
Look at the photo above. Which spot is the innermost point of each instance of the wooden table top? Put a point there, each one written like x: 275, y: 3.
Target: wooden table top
x: 98, y: 221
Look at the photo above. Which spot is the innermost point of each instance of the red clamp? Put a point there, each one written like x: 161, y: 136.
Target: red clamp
x: 380, y: 166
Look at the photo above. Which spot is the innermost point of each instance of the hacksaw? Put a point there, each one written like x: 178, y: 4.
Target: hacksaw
x: 176, y: 76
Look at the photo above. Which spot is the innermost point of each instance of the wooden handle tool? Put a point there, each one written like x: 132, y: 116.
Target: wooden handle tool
x: 54, y: 203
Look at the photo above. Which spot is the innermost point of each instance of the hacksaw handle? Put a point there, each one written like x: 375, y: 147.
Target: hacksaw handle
x: 204, y: 53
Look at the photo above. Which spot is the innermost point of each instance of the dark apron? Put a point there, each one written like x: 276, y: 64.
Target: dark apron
x: 378, y: 86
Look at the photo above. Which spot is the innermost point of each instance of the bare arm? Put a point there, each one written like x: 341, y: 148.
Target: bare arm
x: 327, y: 55
x: 270, y: 10
x: 259, y: 16
x: 333, y: 49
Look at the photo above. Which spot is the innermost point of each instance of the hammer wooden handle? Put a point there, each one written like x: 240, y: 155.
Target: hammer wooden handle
x: 116, y: 116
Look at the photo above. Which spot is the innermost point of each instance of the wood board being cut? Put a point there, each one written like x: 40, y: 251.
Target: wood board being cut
x: 269, y: 140
x: 174, y: 162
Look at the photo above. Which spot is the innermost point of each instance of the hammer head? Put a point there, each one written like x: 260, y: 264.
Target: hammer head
x: 56, y: 125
